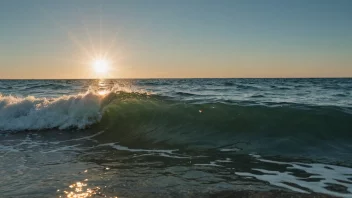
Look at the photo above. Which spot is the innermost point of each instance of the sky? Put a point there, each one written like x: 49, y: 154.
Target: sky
x: 42, y: 39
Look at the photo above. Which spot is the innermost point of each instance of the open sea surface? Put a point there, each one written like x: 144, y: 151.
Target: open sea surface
x: 175, y: 137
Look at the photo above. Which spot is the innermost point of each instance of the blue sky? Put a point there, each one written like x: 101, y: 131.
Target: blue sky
x: 151, y: 39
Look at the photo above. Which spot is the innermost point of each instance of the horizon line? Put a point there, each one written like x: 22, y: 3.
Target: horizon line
x: 173, y: 78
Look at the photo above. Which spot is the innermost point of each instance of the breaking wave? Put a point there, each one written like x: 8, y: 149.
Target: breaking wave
x: 30, y: 113
x: 158, y: 119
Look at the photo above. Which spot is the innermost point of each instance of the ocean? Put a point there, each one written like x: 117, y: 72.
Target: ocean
x: 176, y: 137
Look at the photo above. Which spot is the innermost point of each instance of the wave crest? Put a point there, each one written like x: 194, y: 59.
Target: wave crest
x: 128, y: 116
x: 30, y: 113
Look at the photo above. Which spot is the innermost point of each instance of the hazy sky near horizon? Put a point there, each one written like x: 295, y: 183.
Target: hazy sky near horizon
x: 183, y: 38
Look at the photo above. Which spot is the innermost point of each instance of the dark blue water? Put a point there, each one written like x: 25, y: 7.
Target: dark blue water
x: 178, y: 137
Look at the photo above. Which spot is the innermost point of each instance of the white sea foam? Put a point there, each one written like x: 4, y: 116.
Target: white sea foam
x: 30, y: 113
x: 149, y: 152
x: 227, y: 160
x: 321, y: 177
x: 230, y: 150
x: 210, y: 164
x: 124, y: 148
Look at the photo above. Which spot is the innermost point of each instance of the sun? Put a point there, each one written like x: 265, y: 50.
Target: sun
x: 101, y: 66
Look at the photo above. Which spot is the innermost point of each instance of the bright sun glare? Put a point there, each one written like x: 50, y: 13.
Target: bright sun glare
x: 101, y: 66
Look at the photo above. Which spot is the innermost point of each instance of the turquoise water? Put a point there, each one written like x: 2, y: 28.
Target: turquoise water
x: 175, y: 137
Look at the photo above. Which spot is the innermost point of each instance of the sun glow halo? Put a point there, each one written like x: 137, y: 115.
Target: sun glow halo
x: 101, y: 66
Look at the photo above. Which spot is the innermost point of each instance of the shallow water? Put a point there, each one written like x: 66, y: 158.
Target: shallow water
x: 175, y: 138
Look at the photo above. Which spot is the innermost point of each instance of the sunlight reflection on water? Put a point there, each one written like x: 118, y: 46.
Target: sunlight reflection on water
x: 81, y: 190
